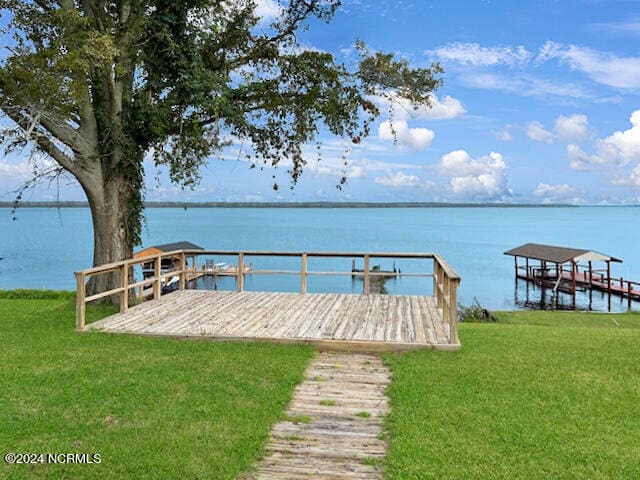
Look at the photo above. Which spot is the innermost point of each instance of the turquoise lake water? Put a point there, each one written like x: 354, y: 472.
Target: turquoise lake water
x: 44, y: 247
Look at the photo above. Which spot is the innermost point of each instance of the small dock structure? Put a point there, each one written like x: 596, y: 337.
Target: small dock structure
x: 170, y: 263
x: 571, y: 270
x: 359, y: 322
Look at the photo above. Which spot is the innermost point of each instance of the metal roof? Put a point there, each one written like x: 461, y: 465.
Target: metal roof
x: 551, y: 253
x: 170, y: 247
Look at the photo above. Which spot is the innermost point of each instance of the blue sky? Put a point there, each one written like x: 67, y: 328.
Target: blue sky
x: 537, y: 106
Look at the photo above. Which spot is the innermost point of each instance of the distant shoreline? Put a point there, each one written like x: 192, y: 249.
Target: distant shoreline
x: 301, y: 205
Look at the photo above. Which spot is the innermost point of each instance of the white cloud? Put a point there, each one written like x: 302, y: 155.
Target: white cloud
x: 625, y: 27
x: 618, y: 149
x: 578, y: 159
x: 528, y: 86
x: 398, y: 180
x: 556, y: 193
x: 573, y: 128
x: 267, y: 10
x: 537, y: 132
x: 356, y: 171
x: 440, y: 109
x: 634, y: 178
x: 446, y: 108
x: 602, y: 67
x: 477, y: 55
x: 505, y: 134
x: 414, y: 138
x: 476, y: 178
x: 625, y: 145
x: 15, y: 171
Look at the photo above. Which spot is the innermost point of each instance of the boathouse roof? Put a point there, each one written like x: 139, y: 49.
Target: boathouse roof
x: 167, y: 247
x: 555, y: 254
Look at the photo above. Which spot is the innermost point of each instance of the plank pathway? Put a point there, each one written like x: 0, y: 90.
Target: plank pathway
x: 333, y: 426
x: 328, y: 321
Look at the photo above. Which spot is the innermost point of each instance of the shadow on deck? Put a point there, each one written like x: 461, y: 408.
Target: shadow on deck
x: 351, y: 322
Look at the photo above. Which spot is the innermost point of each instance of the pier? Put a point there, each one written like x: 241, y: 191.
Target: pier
x: 365, y: 322
x: 571, y: 270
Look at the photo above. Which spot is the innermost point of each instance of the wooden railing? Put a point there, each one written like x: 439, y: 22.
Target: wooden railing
x: 445, y: 279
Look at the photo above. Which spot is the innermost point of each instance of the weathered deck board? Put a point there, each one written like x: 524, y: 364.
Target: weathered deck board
x: 327, y: 434
x: 346, y: 321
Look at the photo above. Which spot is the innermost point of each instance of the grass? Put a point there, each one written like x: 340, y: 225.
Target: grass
x: 297, y: 418
x: 152, y: 408
x: 570, y: 319
x: 328, y: 403
x: 535, y: 395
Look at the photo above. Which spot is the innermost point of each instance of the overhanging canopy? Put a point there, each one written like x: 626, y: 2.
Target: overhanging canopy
x: 167, y: 247
x: 555, y: 254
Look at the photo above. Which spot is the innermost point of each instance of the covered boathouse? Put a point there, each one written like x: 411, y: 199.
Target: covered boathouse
x: 570, y: 270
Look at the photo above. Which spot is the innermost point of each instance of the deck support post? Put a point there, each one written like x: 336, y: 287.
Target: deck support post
x: 515, y: 264
x: 303, y: 274
x: 124, y: 284
x: 609, y: 277
x: 81, y: 293
x: 183, y: 270
x: 590, y: 273
x: 240, y: 276
x: 574, y: 273
x: 526, y: 264
x: 367, y: 280
x: 157, y: 271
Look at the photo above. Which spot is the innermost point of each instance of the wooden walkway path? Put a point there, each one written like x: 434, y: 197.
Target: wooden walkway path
x: 366, y: 323
x: 333, y: 427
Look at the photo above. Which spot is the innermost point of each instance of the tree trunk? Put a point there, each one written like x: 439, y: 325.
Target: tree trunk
x: 111, y: 207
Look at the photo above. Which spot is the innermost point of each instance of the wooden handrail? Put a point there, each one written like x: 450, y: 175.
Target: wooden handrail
x: 446, y: 282
x: 445, y: 279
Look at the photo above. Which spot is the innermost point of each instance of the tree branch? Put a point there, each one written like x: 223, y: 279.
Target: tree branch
x: 44, y: 143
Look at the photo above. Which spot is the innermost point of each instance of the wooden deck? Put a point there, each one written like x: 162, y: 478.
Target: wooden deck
x: 366, y: 323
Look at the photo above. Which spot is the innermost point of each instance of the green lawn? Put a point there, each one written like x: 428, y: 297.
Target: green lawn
x: 537, y: 395
x: 152, y: 408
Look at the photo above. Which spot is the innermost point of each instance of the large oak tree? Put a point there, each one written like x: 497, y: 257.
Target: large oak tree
x: 98, y: 85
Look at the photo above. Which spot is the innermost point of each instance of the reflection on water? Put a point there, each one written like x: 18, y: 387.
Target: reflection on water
x: 532, y: 296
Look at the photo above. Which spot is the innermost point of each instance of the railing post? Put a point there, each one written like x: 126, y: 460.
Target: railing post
x: 157, y: 271
x: 124, y: 283
x: 453, y: 318
x: 240, y: 276
x: 303, y: 274
x: 367, y: 280
x: 438, y: 283
x: 81, y: 292
x: 183, y: 270
x: 446, y: 299
x: 194, y: 277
